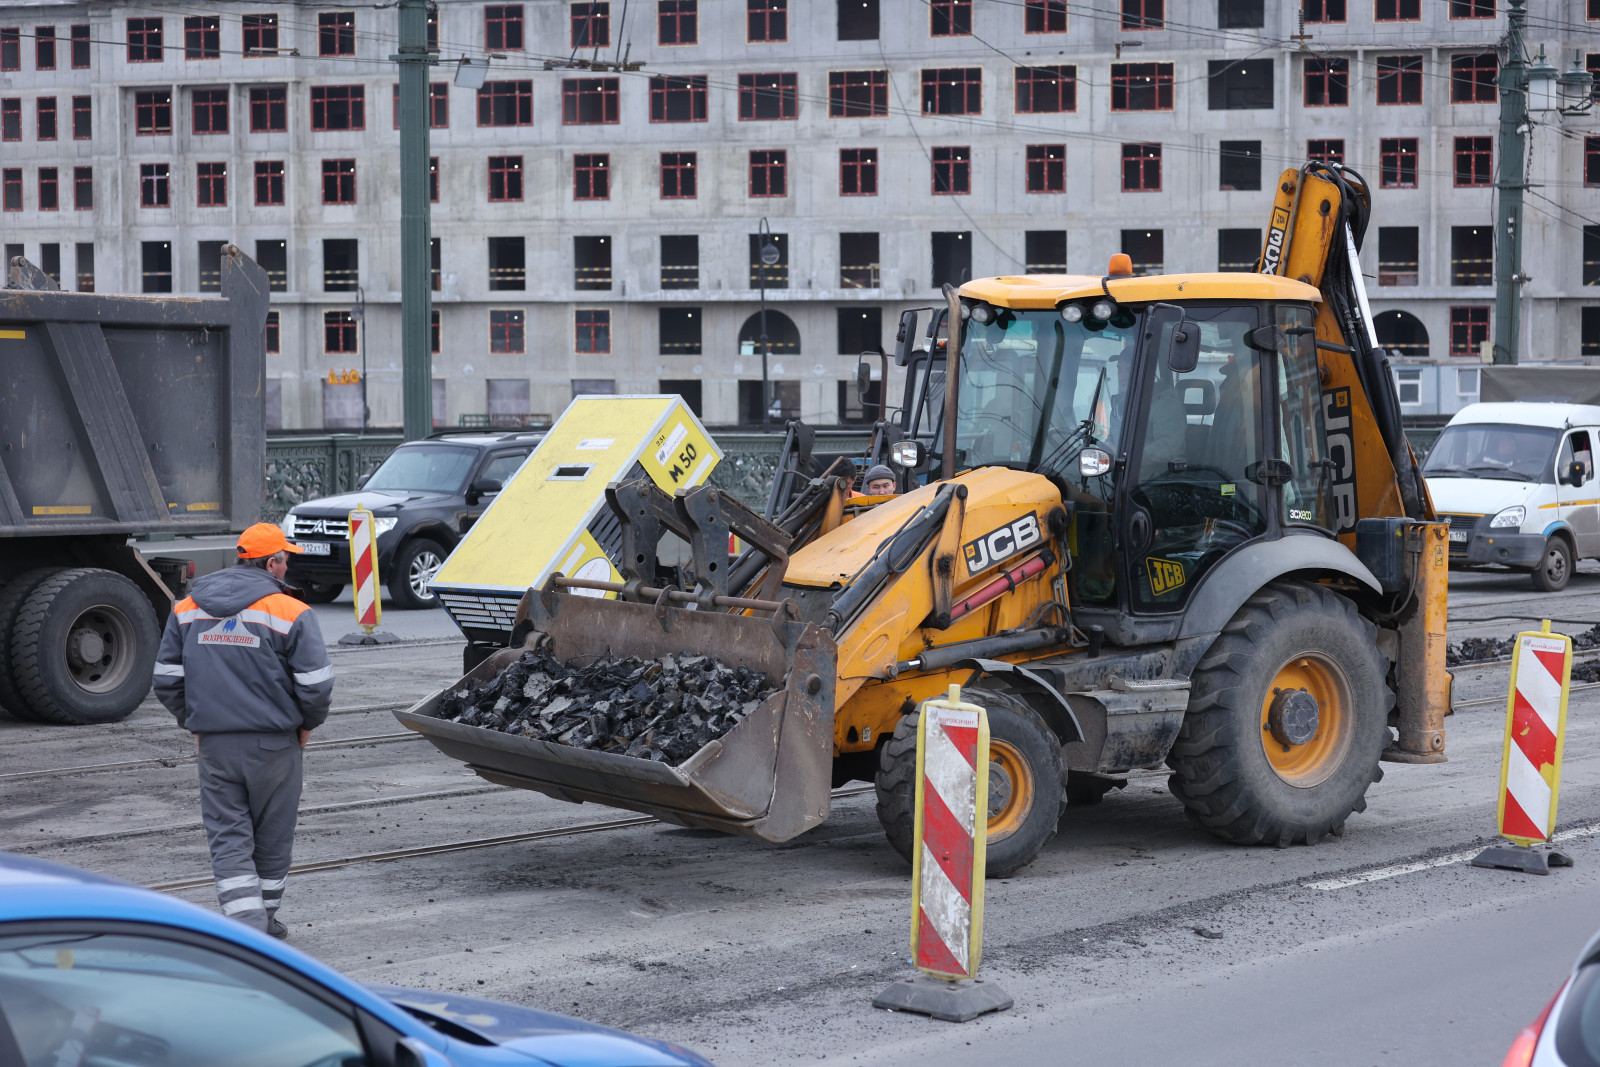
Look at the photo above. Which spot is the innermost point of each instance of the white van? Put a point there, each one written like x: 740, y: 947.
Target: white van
x: 1516, y: 481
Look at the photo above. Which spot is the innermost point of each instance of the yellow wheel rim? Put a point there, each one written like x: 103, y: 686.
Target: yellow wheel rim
x: 1312, y: 762
x: 1011, y: 790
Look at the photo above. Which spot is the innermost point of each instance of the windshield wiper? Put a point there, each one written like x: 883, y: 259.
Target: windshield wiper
x: 1083, y: 433
x: 1448, y: 470
x: 1503, y: 472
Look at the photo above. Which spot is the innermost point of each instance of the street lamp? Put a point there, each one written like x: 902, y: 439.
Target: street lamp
x: 769, y: 257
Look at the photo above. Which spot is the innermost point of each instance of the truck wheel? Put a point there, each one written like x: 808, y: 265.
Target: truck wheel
x: 83, y: 647
x: 1288, y: 714
x: 413, y: 568
x: 1554, y: 571
x: 318, y: 593
x: 1025, y: 782
x: 12, y: 594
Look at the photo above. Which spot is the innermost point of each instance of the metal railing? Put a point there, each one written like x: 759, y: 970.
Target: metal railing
x: 859, y: 276
x: 1397, y: 272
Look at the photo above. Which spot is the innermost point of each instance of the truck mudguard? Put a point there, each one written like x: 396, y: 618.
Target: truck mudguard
x: 1236, y: 578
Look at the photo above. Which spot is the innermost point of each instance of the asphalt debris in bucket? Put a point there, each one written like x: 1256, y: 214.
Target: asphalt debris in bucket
x: 663, y: 709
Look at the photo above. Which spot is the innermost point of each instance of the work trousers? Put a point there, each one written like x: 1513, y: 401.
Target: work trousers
x: 249, y: 801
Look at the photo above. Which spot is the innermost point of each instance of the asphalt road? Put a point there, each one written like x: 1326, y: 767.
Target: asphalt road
x: 1381, y: 946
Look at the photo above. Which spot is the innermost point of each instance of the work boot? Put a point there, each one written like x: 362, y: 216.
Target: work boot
x: 276, y: 928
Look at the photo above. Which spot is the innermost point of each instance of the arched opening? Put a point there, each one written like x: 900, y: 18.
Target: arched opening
x: 783, y: 336
x: 1402, y: 333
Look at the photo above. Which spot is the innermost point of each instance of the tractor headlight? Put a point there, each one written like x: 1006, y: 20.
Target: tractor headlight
x: 1510, y: 517
x: 1104, y: 309
x: 1093, y: 462
x: 1072, y: 313
x: 982, y: 314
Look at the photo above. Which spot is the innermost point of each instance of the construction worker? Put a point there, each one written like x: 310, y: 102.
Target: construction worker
x: 879, y: 481
x: 243, y: 667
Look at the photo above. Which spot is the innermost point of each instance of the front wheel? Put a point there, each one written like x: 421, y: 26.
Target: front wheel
x: 1025, y: 782
x: 414, y: 567
x: 1554, y: 571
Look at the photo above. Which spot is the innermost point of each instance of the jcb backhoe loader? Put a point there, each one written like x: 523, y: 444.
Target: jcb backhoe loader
x: 1152, y: 520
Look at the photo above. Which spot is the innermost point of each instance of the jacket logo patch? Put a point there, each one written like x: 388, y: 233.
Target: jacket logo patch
x: 230, y: 632
x: 1016, y: 536
x: 1165, y: 574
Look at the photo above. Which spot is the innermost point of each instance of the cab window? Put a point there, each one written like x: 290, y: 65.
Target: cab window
x: 1575, y: 449
x: 1307, y: 496
x: 503, y: 465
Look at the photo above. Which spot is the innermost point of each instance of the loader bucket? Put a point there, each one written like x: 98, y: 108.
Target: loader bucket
x: 769, y: 777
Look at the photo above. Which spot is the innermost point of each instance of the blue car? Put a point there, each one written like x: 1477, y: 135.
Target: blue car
x: 99, y: 972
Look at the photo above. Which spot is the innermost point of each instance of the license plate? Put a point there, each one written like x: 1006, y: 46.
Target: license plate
x: 1460, y: 535
x: 322, y: 548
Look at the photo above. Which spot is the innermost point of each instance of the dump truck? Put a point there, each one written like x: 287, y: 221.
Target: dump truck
x: 120, y: 417
x: 1149, y: 522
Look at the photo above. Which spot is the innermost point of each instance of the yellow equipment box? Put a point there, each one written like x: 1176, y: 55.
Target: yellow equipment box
x: 552, y: 514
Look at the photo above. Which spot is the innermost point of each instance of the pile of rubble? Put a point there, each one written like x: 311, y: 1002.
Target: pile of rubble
x: 663, y: 709
x: 1481, y: 649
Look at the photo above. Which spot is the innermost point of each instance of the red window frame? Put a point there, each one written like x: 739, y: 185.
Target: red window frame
x: 677, y: 22
x: 759, y: 91
x: 1591, y: 162
x: 1144, y: 14
x: 508, y: 330
x: 677, y: 173
x: 1401, y: 78
x: 505, y: 179
x: 269, y: 102
x: 1468, y: 83
x: 433, y: 179
x: 769, y: 173
x: 44, y: 48
x: 257, y: 30
x: 1463, y: 10
x: 858, y: 93
x: 951, y: 170
x: 591, y: 176
x: 83, y: 188
x: 1056, y: 86
x: 1469, y: 327
x: 858, y: 172
x: 950, y: 18
x: 202, y: 37
x: 1327, y: 78
x: 591, y: 331
x: 11, y: 188
x: 1131, y: 82
x: 1394, y: 153
x: 518, y: 96
x: 80, y: 46
x: 339, y: 179
x: 1047, y: 168
x: 49, y: 189
x: 503, y: 28
x: 1141, y: 167
x: 766, y: 21
x: 438, y: 105
x: 209, y: 111
x: 1327, y: 149
x: 338, y: 332
x: 150, y: 108
x: 155, y: 185
x: 583, y: 98
x: 272, y: 338
x: 144, y: 40
x: 434, y: 330
x: 1474, y: 158
x: 1323, y: 12
x: 1397, y: 11
x: 45, y: 125
x: 269, y: 183
x: 590, y: 22
x: 11, y: 52
x: 941, y: 84
x: 82, y: 118
x: 353, y: 98
x: 336, y: 33
x: 211, y: 184
x: 1044, y: 16
x: 11, y: 119
x: 685, y: 90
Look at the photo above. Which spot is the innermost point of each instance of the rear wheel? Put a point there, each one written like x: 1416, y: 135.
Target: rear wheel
x: 83, y: 647
x: 1554, y: 571
x: 1025, y: 782
x: 320, y: 593
x: 414, y: 566
x: 12, y: 595
x: 1288, y: 715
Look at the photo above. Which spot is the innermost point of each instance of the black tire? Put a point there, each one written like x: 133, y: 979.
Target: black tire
x: 417, y: 561
x: 1012, y: 723
x: 1222, y: 770
x: 1554, y: 570
x: 83, y: 647
x: 12, y: 594
x: 317, y: 593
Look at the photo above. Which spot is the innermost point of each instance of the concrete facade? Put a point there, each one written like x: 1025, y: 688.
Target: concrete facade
x: 1189, y: 207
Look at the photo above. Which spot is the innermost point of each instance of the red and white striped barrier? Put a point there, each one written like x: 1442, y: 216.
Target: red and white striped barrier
x: 951, y: 828
x: 364, y: 569
x: 1536, y: 719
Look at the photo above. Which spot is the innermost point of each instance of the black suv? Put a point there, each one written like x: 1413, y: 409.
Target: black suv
x: 423, y: 498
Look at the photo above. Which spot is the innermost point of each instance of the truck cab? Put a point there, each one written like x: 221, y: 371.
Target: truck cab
x: 1516, y: 480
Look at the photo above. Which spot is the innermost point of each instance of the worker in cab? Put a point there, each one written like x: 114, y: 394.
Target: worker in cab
x: 879, y: 481
x: 243, y: 667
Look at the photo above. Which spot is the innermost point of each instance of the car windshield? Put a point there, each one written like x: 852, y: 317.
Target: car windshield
x: 1036, y: 390
x: 1493, y: 450
x: 424, y: 469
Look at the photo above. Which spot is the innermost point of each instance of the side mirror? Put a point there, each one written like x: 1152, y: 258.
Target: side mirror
x: 863, y: 377
x: 1183, y: 350
x: 908, y: 454
x: 361, y: 482
x: 1267, y: 339
x: 1576, y: 474
x: 485, y: 487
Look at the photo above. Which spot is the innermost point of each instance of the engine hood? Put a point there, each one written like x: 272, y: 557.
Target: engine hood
x: 372, y: 499
x: 1478, y: 496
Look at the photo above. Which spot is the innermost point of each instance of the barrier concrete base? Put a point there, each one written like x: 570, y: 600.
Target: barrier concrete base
x: 376, y: 637
x: 1521, y: 858
x: 956, y: 1002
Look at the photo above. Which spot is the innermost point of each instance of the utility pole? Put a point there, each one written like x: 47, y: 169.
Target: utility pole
x: 769, y: 257
x: 1513, y: 152
x: 416, y: 290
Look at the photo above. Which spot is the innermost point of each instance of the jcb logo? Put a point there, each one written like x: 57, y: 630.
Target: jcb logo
x: 1016, y: 536
x: 1165, y: 574
x: 1274, y: 250
x: 1341, y: 452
